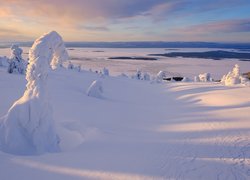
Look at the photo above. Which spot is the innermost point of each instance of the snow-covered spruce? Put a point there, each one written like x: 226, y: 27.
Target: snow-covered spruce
x: 185, y: 79
x: 197, y: 79
x: 16, y: 62
x: 138, y: 75
x: 161, y: 75
x: 105, y: 71
x: 146, y: 76
x: 233, y: 77
x: 28, y: 128
x: 78, y: 68
x: 95, y: 89
x: 70, y: 65
x: 205, y: 77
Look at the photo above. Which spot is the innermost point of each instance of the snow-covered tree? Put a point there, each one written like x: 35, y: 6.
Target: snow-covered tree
x: 197, y: 79
x: 78, y: 68
x: 70, y: 65
x: 205, y: 77
x: 28, y: 127
x: 95, y: 89
x: 146, y: 76
x: 105, y: 71
x: 185, y: 79
x: 16, y: 62
x: 138, y: 75
x: 244, y: 80
x: 161, y: 75
x: 233, y: 77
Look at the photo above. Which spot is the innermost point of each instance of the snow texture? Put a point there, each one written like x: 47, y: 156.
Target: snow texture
x: 28, y: 128
x: 95, y: 89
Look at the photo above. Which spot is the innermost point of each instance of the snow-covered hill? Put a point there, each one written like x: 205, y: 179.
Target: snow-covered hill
x: 137, y: 130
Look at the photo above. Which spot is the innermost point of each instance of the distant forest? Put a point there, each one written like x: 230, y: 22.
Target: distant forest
x: 216, y: 55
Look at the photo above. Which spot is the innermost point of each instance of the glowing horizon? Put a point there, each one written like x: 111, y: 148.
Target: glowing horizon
x: 130, y: 20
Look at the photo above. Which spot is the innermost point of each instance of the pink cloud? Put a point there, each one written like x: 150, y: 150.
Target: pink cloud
x: 78, y: 10
x: 227, y: 26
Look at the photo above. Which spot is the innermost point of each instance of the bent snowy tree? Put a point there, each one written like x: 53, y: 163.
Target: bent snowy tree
x: 28, y: 128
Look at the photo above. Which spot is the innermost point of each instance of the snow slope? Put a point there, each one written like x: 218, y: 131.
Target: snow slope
x: 138, y: 130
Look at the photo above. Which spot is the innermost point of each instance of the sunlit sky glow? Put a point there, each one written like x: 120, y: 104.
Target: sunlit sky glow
x: 127, y: 20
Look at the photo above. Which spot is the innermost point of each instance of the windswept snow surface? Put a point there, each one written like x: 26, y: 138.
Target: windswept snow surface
x: 138, y: 130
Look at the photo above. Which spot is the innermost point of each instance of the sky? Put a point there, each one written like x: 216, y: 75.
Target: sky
x: 126, y: 20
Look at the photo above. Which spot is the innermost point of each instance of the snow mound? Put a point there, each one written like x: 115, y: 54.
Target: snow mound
x: 95, y: 89
x: 123, y: 75
x: 28, y: 127
x: 233, y: 77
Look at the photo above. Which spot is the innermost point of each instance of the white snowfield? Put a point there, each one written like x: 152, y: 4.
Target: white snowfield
x: 137, y: 130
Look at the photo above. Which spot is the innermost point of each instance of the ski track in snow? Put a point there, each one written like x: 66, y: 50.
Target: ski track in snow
x: 137, y: 131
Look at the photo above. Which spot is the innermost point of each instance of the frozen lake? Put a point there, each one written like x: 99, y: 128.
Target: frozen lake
x: 97, y: 58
